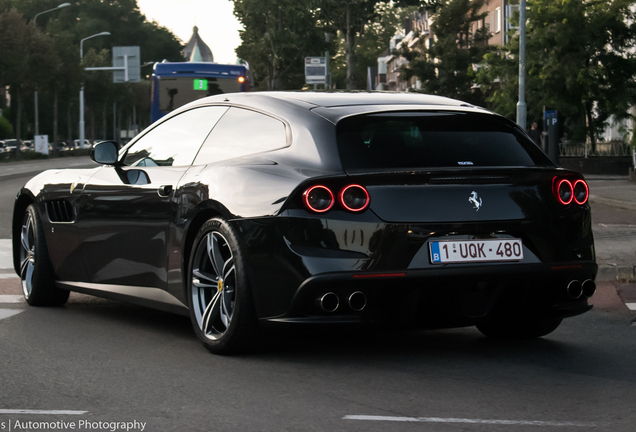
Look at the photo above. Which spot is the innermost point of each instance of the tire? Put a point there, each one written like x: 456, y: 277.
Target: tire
x: 519, y: 329
x: 36, y: 272
x: 219, y: 296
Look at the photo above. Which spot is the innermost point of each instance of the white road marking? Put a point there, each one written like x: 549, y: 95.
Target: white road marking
x: 6, y: 313
x: 464, y: 420
x: 8, y: 275
x: 6, y: 298
x: 6, y: 254
x: 631, y: 306
x: 28, y: 411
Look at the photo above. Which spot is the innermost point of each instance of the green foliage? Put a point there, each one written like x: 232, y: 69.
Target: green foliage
x: 278, y: 35
x: 372, y: 42
x: 15, y: 43
x: 447, y: 68
x: 32, y: 155
x: 6, y: 128
x: 47, y: 57
x: 350, y: 20
x: 579, y: 61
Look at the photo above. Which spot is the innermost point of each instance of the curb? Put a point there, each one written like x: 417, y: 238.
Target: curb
x: 613, y: 202
x: 36, y: 172
x: 616, y: 273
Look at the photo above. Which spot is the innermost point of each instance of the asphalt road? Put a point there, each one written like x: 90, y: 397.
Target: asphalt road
x: 121, y: 363
x: 8, y: 190
x: 108, y: 362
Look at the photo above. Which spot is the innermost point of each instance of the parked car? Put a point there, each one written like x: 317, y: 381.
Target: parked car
x: 10, y: 145
x: 243, y: 210
x: 63, y: 146
x: 87, y: 144
x: 27, y: 145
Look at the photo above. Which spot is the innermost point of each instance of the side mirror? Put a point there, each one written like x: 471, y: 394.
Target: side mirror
x: 105, y: 153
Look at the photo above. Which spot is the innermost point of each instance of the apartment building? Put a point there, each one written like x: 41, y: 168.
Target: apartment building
x: 417, y: 29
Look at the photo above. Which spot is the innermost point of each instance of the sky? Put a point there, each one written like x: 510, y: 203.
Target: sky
x: 218, y: 27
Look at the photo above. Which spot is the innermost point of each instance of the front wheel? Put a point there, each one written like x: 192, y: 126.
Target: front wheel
x: 219, y: 296
x: 528, y: 328
x: 36, y: 272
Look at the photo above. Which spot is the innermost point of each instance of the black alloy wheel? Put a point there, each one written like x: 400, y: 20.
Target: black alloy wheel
x: 36, y: 272
x: 219, y: 297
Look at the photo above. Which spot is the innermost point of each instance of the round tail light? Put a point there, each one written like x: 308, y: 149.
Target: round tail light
x: 354, y: 198
x: 565, y: 192
x: 318, y: 199
x: 581, y: 192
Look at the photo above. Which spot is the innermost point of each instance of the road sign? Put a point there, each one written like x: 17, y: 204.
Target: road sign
x: 315, y: 70
x: 128, y: 63
x: 41, y: 144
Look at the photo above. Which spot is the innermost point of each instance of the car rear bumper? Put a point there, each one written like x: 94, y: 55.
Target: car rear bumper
x: 294, y: 261
x: 444, y: 296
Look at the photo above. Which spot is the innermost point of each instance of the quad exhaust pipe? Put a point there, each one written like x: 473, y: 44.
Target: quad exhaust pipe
x: 589, y: 288
x: 329, y: 302
x: 357, y: 301
x: 576, y: 289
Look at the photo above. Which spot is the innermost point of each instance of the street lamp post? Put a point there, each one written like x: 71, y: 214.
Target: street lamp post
x: 37, y: 122
x: 81, y: 95
x: 521, y: 105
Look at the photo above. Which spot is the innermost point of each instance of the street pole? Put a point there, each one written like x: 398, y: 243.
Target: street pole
x: 37, y: 122
x: 521, y: 105
x: 328, y: 83
x: 81, y: 94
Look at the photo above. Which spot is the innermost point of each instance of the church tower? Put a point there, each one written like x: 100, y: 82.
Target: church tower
x: 196, y: 50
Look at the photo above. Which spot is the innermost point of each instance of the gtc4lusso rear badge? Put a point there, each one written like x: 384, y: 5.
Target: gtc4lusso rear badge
x: 475, y: 200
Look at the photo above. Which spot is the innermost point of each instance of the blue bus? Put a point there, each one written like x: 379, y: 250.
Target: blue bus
x: 177, y: 83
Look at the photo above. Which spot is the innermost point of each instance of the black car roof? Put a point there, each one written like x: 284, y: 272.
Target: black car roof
x: 334, y: 105
x: 334, y: 99
x: 330, y: 99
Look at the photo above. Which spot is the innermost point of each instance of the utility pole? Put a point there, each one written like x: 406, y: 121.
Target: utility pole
x: 521, y: 105
x: 35, y: 96
x: 328, y: 83
x: 81, y: 95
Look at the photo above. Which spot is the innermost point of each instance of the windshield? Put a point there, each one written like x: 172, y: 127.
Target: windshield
x: 413, y: 140
x: 178, y: 91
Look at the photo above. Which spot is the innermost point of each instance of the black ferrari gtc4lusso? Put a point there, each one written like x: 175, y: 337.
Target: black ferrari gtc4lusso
x: 246, y: 209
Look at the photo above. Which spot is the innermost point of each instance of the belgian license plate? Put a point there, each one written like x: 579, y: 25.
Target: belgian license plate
x: 458, y: 251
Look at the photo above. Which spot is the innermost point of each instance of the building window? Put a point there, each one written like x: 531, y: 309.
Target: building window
x: 497, y: 26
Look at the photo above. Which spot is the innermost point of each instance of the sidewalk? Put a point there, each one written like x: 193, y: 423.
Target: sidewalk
x: 613, y: 202
x: 615, y: 191
x: 10, y: 169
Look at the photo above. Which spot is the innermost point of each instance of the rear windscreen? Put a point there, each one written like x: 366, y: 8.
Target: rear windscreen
x: 178, y: 91
x: 415, y: 140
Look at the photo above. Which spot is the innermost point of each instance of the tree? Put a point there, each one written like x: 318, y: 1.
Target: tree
x: 350, y: 18
x: 447, y: 68
x: 278, y: 35
x: 17, y: 42
x: 370, y: 44
x: 579, y: 61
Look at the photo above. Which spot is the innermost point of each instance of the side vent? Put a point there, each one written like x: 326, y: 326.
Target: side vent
x: 60, y: 211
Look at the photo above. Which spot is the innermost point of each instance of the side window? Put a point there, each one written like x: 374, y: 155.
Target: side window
x: 240, y: 133
x: 176, y: 141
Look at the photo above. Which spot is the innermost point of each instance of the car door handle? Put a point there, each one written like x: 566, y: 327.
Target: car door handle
x: 165, y: 190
